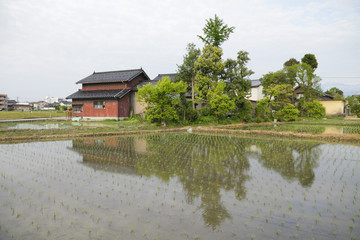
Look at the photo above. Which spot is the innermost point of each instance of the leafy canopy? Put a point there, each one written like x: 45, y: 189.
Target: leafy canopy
x: 311, y: 60
x: 161, y: 99
x: 219, y: 102
x: 209, y: 67
x: 216, y: 32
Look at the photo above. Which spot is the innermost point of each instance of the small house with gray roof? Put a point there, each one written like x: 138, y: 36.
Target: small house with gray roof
x: 107, y: 95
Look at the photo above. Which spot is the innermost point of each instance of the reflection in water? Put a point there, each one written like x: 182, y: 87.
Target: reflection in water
x: 204, y: 164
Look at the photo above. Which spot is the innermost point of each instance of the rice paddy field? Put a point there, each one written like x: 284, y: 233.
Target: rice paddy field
x: 307, y: 128
x: 179, y: 186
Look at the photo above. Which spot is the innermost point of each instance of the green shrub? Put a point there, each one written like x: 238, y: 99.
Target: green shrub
x: 314, y: 109
x: 262, y: 110
x: 206, y: 119
x: 288, y: 113
x: 245, y: 111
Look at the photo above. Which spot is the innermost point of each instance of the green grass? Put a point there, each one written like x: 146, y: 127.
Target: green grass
x: 5, y: 115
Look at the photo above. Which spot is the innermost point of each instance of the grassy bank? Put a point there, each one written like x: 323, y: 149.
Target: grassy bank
x: 6, y: 115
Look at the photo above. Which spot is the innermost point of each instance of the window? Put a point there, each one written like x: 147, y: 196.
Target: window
x: 78, y: 108
x: 99, y: 105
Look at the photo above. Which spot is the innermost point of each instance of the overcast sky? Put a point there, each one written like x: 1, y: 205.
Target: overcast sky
x: 46, y: 46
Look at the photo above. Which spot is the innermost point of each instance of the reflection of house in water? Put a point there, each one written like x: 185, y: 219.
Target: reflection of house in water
x: 111, y: 154
x: 253, y: 149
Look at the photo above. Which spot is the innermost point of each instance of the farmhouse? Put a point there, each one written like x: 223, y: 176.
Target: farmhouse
x: 107, y: 95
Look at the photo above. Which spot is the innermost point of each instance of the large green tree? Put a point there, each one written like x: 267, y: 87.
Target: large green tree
x: 161, y: 99
x: 236, y: 76
x: 216, y: 32
x: 209, y: 67
x: 187, y: 71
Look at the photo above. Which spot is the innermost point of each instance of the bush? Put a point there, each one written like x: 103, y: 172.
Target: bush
x: 245, y: 111
x: 262, y: 112
x: 288, y: 113
x: 314, y: 109
x: 206, y: 119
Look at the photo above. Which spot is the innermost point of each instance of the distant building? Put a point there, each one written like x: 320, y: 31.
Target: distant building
x: 39, y: 105
x: 53, y: 99
x: 11, y: 104
x: 3, y: 102
x: 22, y: 107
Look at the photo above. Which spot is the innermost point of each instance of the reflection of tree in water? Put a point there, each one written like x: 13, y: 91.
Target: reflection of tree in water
x: 291, y: 159
x: 203, y: 164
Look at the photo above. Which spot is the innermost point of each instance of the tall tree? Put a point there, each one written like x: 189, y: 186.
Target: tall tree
x: 161, y: 99
x: 187, y: 71
x: 209, y: 67
x: 290, y: 62
x: 216, y: 32
x: 311, y: 60
x: 306, y: 79
x: 236, y: 76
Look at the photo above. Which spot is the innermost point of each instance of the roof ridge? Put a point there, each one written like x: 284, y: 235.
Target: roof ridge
x: 129, y: 70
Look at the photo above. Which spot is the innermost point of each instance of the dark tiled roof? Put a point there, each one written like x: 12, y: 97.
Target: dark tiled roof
x: 255, y: 83
x: 114, y: 76
x: 99, y: 94
x: 153, y: 82
x: 170, y: 75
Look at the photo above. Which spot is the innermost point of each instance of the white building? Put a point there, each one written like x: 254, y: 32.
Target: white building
x: 256, y: 93
x: 52, y: 99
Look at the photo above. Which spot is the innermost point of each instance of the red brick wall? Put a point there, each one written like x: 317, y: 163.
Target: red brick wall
x: 111, y: 108
x: 103, y: 86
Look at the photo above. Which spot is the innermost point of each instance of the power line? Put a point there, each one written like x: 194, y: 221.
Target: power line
x: 340, y: 77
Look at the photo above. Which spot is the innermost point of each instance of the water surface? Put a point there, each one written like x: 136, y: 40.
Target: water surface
x: 179, y: 186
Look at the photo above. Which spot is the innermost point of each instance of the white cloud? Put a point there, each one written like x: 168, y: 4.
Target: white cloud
x: 47, y: 46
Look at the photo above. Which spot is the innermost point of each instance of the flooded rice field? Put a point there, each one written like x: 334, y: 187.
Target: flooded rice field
x: 307, y: 128
x: 179, y: 186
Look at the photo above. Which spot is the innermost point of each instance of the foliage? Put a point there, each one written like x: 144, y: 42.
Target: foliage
x: 288, y: 113
x: 236, y: 77
x: 245, y: 111
x: 304, y: 77
x: 216, y: 32
x: 220, y: 103
x: 280, y: 95
x: 314, y: 109
x: 161, y: 99
x: 185, y: 110
x: 354, y: 104
x: 262, y: 111
x: 290, y: 62
x: 336, y: 93
x: 274, y: 78
x: 209, y: 67
x: 186, y: 71
x: 310, y: 59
